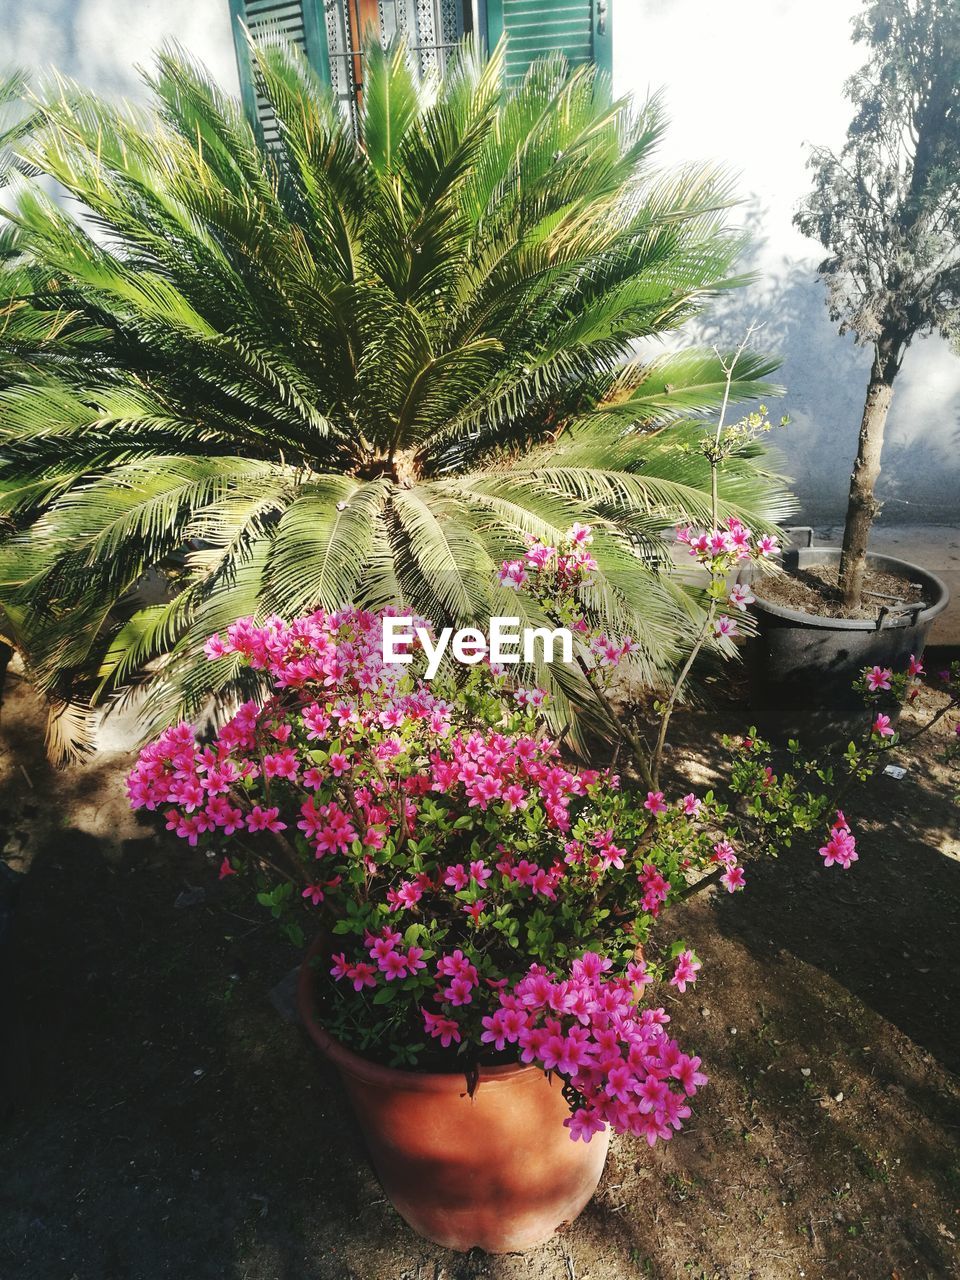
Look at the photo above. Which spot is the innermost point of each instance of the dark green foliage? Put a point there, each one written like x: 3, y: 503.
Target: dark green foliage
x: 887, y: 208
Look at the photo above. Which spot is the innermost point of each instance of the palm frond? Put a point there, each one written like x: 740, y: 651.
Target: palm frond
x: 254, y: 379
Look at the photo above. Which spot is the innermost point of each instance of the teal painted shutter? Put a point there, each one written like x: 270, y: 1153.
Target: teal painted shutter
x: 322, y: 28
x: 300, y: 21
x: 580, y: 29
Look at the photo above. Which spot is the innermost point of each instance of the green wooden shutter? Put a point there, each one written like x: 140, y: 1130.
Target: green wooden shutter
x: 580, y: 29
x: 301, y: 21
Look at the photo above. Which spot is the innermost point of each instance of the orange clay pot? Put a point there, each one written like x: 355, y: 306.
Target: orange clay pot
x: 496, y: 1171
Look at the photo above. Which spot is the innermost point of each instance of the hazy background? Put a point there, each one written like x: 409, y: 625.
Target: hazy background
x: 748, y: 83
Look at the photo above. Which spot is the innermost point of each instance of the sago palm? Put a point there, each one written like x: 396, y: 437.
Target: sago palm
x: 351, y: 368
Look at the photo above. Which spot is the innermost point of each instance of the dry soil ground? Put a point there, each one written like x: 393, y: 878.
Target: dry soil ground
x: 162, y: 1120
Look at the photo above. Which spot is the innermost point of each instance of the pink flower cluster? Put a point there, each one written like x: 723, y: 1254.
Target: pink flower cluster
x: 841, y: 847
x: 342, y: 652
x: 656, y: 889
x: 554, y: 573
x: 608, y: 653
x: 568, y: 564
x: 386, y: 955
x: 329, y: 649
x: 721, y: 550
x: 735, y: 541
x: 495, y: 768
x: 588, y: 1028
x: 733, y: 877
x: 686, y: 970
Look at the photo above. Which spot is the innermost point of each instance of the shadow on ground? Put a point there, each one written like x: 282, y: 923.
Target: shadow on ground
x: 162, y: 1120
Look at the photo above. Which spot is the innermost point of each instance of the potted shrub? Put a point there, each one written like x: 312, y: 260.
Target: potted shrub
x: 484, y: 906
x: 887, y: 209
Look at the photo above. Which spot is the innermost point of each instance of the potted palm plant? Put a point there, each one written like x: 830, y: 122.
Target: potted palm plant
x: 348, y: 367
x: 887, y: 209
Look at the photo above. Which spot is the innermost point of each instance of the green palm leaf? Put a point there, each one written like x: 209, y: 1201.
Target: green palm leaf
x: 254, y: 380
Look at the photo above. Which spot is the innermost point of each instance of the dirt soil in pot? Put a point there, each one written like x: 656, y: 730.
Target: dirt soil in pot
x: 159, y: 1119
x: 814, y: 590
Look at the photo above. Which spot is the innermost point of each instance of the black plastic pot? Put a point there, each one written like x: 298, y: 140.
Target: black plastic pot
x: 802, y: 666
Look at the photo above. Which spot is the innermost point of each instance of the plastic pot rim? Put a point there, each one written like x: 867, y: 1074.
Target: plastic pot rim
x: 822, y: 622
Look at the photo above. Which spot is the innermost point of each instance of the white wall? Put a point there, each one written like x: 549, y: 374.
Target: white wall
x: 748, y: 82
x: 102, y: 42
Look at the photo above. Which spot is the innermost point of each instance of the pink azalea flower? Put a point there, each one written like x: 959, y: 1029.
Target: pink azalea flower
x: 515, y: 797
x: 459, y: 991
x: 215, y: 648
x: 538, y: 555
x: 338, y: 763
x: 768, y: 545
x: 655, y: 802
x: 652, y: 1093
x: 283, y: 764
x: 723, y: 852
x: 740, y: 537
x: 916, y: 666
x: 315, y: 893
x: 226, y: 869
x: 456, y: 877
x: 480, y: 873
x: 513, y: 574
x: 408, y: 895
x: 443, y: 1029
x: 733, y: 879
x: 878, y: 678
x: 685, y: 1070
x: 259, y: 819
x: 362, y: 975
x: 584, y: 1123
x: 883, y: 727
x: 741, y: 596
x: 724, y: 625
x: 685, y: 971
x: 393, y: 965
x: 382, y: 947
x: 691, y: 805
x: 637, y: 973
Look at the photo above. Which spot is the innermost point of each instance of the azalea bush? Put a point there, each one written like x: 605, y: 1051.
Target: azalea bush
x: 485, y: 898
x: 488, y: 900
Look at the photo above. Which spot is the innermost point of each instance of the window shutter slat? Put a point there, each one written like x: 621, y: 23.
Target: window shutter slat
x: 579, y: 29
x: 300, y: 21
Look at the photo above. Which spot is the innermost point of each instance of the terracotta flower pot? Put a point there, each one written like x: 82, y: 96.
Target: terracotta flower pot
x: 496, y: 1171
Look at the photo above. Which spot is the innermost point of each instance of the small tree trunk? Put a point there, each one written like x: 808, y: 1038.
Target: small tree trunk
x: 862, y: 505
